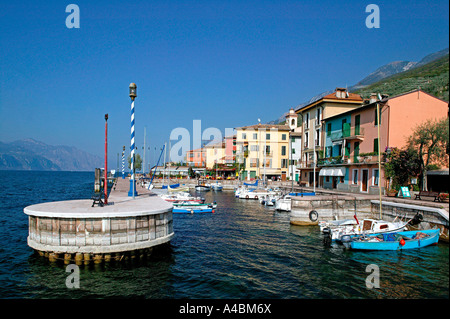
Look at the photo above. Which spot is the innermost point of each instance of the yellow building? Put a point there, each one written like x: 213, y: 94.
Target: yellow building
x: 262, y: 150
x: 312, y: 128
x: 215, y: 154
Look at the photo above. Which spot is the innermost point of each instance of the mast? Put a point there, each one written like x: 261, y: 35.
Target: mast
x: 143, y: 165
x: 164, y: 171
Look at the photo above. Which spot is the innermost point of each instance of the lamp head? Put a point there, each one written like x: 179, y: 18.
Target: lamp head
x: 133, y: 91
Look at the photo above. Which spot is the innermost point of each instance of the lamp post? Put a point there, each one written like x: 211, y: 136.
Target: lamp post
x: 132, y: 191
x: 105, y: 184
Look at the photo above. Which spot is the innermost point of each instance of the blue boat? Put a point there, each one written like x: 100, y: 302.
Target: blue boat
x: 396, y: 241
x: 192, y: 210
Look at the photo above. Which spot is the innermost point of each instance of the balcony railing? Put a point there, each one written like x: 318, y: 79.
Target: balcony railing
x: 342, y: 160
x: 347, y: 133
x: 305, y: 164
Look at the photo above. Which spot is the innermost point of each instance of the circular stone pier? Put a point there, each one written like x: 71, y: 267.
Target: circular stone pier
x: 125, y: 228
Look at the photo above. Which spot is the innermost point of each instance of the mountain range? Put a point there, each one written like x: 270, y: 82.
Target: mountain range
x: 29, y: 154
x: 391, y: 70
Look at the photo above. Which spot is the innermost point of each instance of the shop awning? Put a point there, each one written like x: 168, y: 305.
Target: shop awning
x: 332, y: 171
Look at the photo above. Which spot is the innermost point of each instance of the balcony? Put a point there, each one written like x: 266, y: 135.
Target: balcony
x: 348, y: 133
x: 305, y: 164
x: 343, y: 160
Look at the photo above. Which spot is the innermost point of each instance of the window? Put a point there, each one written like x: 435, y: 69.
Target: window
x: 284, y: 163
x: 268, y: 163
x: 255, y: 136
x: 375, y: 177
x: 307, y: 120
x: 283, y: 137
x: 328, y: 129
x: 318, y: 137
x: 244, y: 136
x: 283, y: 150
x: 375, y: 145
x: 318, y: 115
x: 267, y: 136
x: 267, y: 149
x: 306, y: 140
x: 355, y: 177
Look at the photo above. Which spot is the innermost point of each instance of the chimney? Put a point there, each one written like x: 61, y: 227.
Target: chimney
x: 373, y: 97
x: 341, y: 93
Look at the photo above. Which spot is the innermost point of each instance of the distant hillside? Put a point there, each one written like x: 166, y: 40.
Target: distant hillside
x: 431, y: 77
x: 29, y: 154
x: 430, y: 73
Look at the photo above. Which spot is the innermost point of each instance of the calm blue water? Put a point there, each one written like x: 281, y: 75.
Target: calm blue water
x: 243, y: 250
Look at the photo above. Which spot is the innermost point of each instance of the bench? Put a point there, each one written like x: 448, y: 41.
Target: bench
x: 97, y: 197
x: 428, y: 194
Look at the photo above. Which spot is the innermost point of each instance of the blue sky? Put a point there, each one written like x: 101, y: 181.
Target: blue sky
x: 226, y: 63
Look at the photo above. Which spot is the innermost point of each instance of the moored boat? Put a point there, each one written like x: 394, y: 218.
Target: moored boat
x: 189, y: 207
x: 396, y: 241
x: 367, y: 227
x: 284, y: 203
x: 181, y: 196
x: 216, y: 186
x: 202, y: 186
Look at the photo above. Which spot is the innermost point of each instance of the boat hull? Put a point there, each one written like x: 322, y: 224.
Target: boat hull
x: 192, y: 210
x: 202, y: 188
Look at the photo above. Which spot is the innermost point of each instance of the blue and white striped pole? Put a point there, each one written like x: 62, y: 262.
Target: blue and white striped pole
x: 123, y: 163
x: 132, y: 191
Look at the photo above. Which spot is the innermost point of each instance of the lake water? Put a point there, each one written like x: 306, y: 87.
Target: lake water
x: 242, y: 251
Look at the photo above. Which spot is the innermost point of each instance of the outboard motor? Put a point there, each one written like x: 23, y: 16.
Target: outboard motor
x: 417, y: 219
x: 346, y: 239
x: 327, y: 237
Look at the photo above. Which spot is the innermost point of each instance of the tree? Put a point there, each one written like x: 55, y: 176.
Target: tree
x: 430, y: 140
x: 137, y: 162
x: 401, y: 165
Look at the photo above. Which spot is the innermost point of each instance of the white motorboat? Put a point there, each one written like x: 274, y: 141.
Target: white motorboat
x: 284, y: 203
x: 216, y: 186
x: 269, y: 200
x: 202, y: 188
x: 181, y: 196
x: 367, y: 226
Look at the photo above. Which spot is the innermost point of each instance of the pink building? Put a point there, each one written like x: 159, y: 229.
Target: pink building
x: 357, y: 141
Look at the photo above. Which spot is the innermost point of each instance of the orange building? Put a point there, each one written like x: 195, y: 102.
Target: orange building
x: 351, y: 151
x: 196, y: 158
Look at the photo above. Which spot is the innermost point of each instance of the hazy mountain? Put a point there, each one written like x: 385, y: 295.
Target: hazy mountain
x: 29, y: 154
x: 384, y: 72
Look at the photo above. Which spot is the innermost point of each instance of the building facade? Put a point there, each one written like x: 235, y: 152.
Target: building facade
x: 196, y: 158
x: 355, y: 139
x: 262, y: 151
x: 312, y: 129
